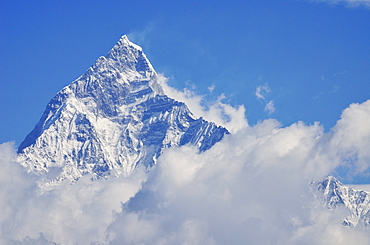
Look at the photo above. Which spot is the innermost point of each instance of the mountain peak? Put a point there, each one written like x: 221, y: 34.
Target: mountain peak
x: 127, y: 55
x: 112, y: 119
x: 125, y: 42
x: 122, y: 46
x: 335, y: 194
x: 124, y: 38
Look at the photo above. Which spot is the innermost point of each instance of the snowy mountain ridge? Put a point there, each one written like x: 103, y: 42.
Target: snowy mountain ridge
x: 112, y: 118
x: 334, y: 194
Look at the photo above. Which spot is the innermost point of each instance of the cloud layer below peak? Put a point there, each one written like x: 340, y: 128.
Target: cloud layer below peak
x: 252, y: 187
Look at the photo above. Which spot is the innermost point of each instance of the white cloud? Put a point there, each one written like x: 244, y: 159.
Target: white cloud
x: 270, y: 107
x: 349, y: 3
x: 69, y: 214
x: 335, y: 89
x: 211, y: 88
x: 352, y: 135
x: 261, y: 94
x: 262, y: 91
x: 252, y: 187
x: 15, y: 187
x: 141, y: 36
x: 232, y: 118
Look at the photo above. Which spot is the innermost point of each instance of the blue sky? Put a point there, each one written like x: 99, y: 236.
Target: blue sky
x: 307, y: 59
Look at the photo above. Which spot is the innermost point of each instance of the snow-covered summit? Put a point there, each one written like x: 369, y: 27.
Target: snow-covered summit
x: 111, y: 119
x: 127, y: 55
x: 334, y: 194
x: 124, y: 42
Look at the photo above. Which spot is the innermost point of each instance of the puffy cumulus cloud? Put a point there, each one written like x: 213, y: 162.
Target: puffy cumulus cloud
x: 77, y: 213
x: 251, y: 187
x: 327, y: 229
x: 68, y: 213
x: 232, y: 118
x: 352, y: 136
x: 15, y: 187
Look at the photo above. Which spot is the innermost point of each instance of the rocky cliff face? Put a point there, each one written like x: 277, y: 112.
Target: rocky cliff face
x: 112, y: 119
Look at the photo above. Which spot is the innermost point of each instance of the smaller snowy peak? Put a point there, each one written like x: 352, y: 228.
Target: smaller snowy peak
x: 334, y: 194
x: 331, y: 188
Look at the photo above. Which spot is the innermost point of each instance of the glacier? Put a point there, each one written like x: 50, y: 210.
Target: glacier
x: 111, y: 120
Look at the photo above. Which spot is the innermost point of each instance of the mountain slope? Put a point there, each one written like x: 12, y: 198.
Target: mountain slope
x: 335, y: 194
x: 112, y: 119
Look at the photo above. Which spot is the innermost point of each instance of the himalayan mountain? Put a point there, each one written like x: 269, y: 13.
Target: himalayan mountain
x: 116, y: 118
x: 111, y: 120
x: 357, y: 202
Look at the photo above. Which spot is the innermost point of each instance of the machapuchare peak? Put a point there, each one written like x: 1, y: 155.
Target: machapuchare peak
x: 124, y: 41
x: 112, y: 119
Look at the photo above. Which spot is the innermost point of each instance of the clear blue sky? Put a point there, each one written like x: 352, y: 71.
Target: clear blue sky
x: 313, y: 56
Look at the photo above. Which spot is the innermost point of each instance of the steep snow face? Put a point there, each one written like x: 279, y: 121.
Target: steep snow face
x: 110, y: 120
x: 335, y: 194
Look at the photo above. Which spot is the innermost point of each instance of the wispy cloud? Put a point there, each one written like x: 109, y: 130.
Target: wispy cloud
x: 270, y: 107
x: 335, y: 89
x: 261, y: 93
x: 140, y: 36
x: 349, y: 3
x: 211, y: 88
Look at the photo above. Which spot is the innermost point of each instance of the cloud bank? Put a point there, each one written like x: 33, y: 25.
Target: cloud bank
x: 252, y: 187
